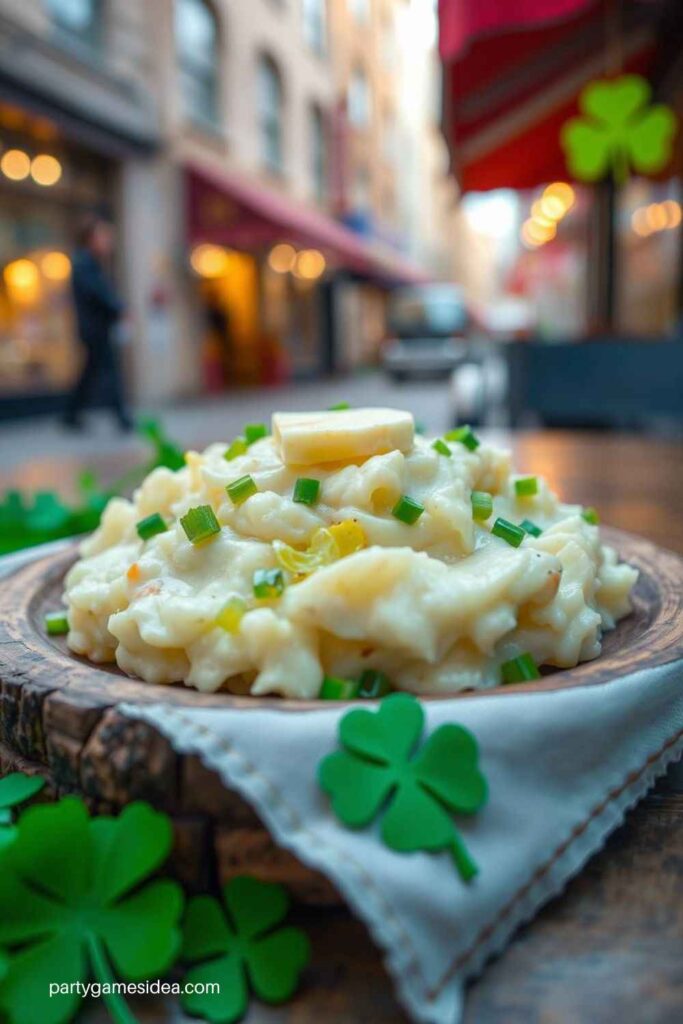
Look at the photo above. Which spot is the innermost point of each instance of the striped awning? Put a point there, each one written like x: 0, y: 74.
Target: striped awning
x: 513, y: 72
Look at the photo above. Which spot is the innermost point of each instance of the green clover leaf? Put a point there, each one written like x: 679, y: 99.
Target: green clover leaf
x: 618, y: 129
x: 375, y: 767
x: 241, y: 945
x: 14, y: 789
x: 67, y: 909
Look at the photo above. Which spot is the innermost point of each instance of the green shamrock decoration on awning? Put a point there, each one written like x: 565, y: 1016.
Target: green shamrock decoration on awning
x: 15, y: 789
x: 237, y: 942
x: 619, y: 129
x: 376, y: 767
x: 68, y: 912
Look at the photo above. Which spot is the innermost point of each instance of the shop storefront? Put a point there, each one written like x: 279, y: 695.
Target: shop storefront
x: 283, y: 291
x: 46, y: 182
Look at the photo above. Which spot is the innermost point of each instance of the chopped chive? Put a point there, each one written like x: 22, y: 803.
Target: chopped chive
x: 531, y: 528
x: 508, y: 531
x: 56, y: 624
x: 306, y: 490
x: 338, y: 407
x: 236, y: 448
x: 200, y: 524
x: 268, y: 583
x: 591, y: 516
x: 241, y: 489
x: 150, y: 526
x: 407, y: 510
x: 338, y: 689
x: 441, y: 447
x: 254, y: 432
x: 465, y: 436
x: 526, y: 486
x: 373, y: 684
x: 482, y: 505
x: 519, y: 669
x: 231, y: 614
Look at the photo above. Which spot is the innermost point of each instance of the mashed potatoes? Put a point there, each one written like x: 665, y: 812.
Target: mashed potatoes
x: 286, y: 592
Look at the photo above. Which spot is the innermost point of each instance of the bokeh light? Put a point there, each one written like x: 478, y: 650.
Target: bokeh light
x: 15, y: 164
x: 55, y: 266
x: 209, y: 260
x: 535, y: 234
x: 282, y: 258
x: 46, y: 170
x: 310, y: 265
x: 562, y: 192
x: 22, y: 280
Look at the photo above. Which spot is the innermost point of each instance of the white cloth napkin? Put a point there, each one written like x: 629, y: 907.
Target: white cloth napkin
x: 562, y: 768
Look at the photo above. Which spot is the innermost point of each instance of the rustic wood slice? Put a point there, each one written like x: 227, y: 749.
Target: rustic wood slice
x: 59, y: 717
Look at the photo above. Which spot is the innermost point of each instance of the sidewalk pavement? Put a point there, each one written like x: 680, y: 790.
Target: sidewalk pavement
x: 40, y: 453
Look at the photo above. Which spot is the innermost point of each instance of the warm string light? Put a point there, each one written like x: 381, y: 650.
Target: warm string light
x: 648, y: 220
x: 546, y: 213
x: 44, y: 169
x: 211, y: 261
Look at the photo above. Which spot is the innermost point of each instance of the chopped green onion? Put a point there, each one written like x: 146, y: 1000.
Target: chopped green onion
x: 407, y: 510
x: 508, y: 531
x: 268, y: 583
x: 531, y: 528
x: 254, y: 432
x: 241, y: 489
x: 374, y: 684
x: 465, y: 436
x: 591, y: 516
x: 420, y: 428
x: 231, y: 614
x: 237, y: 447
x: 306, y: 490
x: 441, y: 447
x: 519, y: 669
x: 338, y: 689
x: 338, y: 407
x: 56, y: 624
x: 526, y: 486
x: 200, y: 524
x: 482, y: 505
x: 150, y: 526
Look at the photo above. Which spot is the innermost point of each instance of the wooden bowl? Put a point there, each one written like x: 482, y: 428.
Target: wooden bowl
x: 59, y: 718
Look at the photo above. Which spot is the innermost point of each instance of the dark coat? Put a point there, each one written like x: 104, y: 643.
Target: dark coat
x: 97, y: 303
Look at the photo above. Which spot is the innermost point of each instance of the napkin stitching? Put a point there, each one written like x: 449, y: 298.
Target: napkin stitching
x: 298, y: 825
x: 543, y: 869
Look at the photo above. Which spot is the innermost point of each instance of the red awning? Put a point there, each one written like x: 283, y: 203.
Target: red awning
x: 513, y: 71
x: 227, y: 209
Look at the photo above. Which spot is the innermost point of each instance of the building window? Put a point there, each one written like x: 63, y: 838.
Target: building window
x: 79, y: 18
x: 318, y: 153
x: 270, y: 113
x: 359, y: 99
x: 361, y: 11
x: 196, y: 31
x: 315, y: 24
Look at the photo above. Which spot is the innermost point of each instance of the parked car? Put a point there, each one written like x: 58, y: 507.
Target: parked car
x: 429, y: 326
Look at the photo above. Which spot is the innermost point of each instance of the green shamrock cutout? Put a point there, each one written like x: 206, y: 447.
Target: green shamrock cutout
x: 241, y: 944
x: 619, y: 128
x: 375, y: 767
x: 67, y: 910
x: 14, y: 789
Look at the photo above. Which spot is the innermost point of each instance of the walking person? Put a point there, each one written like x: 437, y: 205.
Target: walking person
x: 98, y: 309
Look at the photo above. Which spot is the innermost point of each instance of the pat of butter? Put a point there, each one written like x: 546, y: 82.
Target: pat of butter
x: 306, y: 438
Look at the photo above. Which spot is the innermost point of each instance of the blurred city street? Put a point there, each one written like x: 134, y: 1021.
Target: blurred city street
x: 29, y: 447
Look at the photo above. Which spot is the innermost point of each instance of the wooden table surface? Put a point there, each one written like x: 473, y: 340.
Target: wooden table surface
x: 611, y: 948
